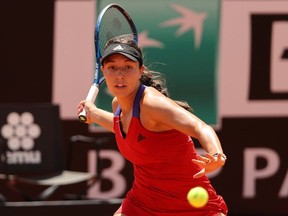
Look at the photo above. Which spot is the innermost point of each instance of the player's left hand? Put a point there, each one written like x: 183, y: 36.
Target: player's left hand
x: 208, y: 163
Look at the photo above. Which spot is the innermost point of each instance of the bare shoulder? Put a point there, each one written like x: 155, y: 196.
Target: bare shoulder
x: 155, y: 109
x: 160, y: 113
x: 154, y: 100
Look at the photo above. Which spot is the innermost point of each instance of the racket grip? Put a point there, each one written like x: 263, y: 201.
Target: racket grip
x: 92, y: 94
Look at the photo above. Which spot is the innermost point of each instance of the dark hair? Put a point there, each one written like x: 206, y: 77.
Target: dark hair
x: 149, y: 77
x: 158, y: 81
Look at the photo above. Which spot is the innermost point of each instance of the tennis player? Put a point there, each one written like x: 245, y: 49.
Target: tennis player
x: 154, y: 133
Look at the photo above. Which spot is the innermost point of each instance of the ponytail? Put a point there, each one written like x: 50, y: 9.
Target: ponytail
x: 157, y: 81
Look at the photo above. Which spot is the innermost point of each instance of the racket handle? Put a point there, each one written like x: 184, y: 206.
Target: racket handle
x: 92, y: 94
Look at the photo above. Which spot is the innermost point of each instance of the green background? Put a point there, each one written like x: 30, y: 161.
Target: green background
x: 191, y: 72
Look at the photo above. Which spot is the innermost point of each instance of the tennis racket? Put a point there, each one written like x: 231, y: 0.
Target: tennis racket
x: 113, y: 21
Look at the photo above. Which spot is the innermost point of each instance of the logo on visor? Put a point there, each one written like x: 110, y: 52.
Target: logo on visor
x: 119, y: 47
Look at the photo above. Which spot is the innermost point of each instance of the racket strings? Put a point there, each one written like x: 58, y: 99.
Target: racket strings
x: 113, y: 24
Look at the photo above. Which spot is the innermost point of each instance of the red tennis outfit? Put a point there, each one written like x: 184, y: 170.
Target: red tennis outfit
x: 163, y: 171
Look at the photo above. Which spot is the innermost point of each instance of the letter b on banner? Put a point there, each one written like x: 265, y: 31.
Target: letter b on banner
x: 111, y: 173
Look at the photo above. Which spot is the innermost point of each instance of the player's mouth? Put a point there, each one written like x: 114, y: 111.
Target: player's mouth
x: 120, y: 86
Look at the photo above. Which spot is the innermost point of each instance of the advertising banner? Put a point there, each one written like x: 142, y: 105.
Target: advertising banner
x: 30, y: 139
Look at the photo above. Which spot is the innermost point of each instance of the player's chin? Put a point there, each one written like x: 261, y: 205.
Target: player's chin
x: 119, y: 91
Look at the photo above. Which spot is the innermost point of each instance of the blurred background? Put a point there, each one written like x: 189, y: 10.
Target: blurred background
x: 227, y: 58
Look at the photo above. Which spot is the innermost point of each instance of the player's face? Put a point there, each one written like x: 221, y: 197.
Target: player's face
x: 122, y: 75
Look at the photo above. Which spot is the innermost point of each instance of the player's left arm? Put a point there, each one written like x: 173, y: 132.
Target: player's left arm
x: 166, y: 114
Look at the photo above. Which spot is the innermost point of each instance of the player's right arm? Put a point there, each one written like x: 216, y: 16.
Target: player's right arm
x: 97, y: 115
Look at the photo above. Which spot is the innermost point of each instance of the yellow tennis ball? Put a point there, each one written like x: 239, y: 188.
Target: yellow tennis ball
x: 198, y: 197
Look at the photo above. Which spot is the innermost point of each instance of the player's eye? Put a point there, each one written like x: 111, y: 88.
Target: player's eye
x: 128, y: 68
x: 112, y: 69
x: 124, y: 69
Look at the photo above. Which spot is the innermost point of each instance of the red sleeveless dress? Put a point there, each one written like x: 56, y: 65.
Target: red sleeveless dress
x: 163, y: 171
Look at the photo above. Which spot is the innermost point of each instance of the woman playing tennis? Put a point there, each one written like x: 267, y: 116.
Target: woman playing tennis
x: 154, y: 133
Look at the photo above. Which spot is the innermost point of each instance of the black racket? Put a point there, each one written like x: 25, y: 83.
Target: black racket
x: 113, y: 21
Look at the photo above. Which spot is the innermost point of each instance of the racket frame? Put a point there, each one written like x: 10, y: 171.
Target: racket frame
x: 97, y: 81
